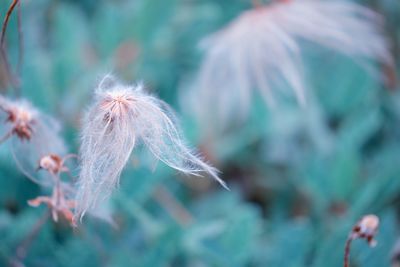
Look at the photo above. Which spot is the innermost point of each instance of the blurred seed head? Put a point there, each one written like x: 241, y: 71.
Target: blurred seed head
x: 120, y: 116
x: 21, y: 116
x: 340, y: 25
x: 252, y: 52
x: 33, y: 135
x: 260, y: 50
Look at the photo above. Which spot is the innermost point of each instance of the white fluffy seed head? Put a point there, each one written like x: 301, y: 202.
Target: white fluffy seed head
x: 120, y: 116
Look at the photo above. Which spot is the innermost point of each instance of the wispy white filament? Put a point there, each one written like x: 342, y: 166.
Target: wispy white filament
x: 120, y: 117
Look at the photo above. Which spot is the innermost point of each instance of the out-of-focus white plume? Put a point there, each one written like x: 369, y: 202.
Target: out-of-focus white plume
x: 252, y: 52
x: 120, y: 117
x: 340, y: 25
x: 260, y: 50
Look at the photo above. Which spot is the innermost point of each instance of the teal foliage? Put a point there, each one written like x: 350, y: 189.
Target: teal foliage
x: 300, y: 178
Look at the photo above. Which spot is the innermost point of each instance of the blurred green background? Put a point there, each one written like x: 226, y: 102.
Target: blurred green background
x: 299, y: 181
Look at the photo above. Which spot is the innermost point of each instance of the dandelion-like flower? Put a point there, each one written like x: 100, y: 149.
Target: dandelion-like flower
x: 260, y: 50
x: 120, y: 117
x: 32, y: 133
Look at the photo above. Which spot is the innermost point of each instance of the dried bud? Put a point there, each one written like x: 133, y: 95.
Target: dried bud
x: 54, y: 164
x: 367, y: 228
x: 58, y: 203
x: 51, y: 163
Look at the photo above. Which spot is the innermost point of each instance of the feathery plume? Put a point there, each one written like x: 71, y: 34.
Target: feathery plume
x: 260, y: 50
x: 33, y: 135
x: 120, y: 117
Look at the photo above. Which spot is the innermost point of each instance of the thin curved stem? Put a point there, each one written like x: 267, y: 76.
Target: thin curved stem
x: 57, y: 187
x: 68, y: 156
x: 22, y: 169
x: 20, y: 40
x: 6, y: 20
x: 347, y: 247
x: 12, y: 79
x: 5, y: 137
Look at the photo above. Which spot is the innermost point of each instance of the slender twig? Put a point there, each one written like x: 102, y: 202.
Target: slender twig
x: 12, y: 79
x: 69, y: 156
x: 347, y: 251
x: 8, y: 69
x: 173, y: 206
x: 22, y: 249
x: 20, y: 40
x: 7, y: 18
